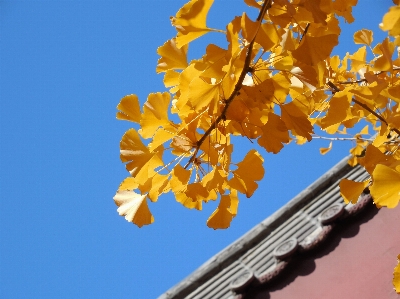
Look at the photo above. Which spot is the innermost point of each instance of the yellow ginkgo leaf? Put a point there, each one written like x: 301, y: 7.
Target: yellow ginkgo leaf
x: 252, y: 3
x: 363, y: 36
x: 249, y: 27
x: 159, y: 185
x: 198, y: 193
x: 382, y: 135
x: 339, y: 109
x: 315, y: 49
x: 296, y: 121
x: 252, y: 125
x: 344, y: 8
x: 370, y: 95
x: 275, y: 133
x: 358, y: 59
x: 129, y: 108
x: 188, y: 202
x: 180, y: 178
x: 134, y: 207
x: 396, y: 276
x: 325, y: 150
x: 215, y: 179
x: 133, y: 151
x: 267, y: 36
x: 161, y: 136
x: 192, y: 195
x: 351, y: 190
x: 202, y: 94
x: 391, y: 21
x: 221, y: 218
x: 281, y: 14
x: 155, y: 113
x: 393, y: 92
x: 172, y: 58
x: 237, y: 111
x: 373, y: 156
x: 232, y: 35
x: 260, y: 94
x: 249, y: 171
x: 128, y: 184
x: 171, y: 79
x: 385, y: 189
x: 181, y: 145
x: 306, y: 74
x: 215, y: 60
x: 357, y: 151
x: 281, y: 85
x: 317, y: 10
x: 190, y: 21
x: 384, y: 61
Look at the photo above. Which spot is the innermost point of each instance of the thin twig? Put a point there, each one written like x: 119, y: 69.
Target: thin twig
x: 342, y: 138
x: 305, y: 32
x: 376, y: 115
x: 370, y: 110
x: 353, y: 82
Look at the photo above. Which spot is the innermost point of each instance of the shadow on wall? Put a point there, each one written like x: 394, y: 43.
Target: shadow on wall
x: 304, y: 264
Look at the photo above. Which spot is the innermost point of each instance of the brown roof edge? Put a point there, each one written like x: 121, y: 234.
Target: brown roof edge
x: 256, y: 234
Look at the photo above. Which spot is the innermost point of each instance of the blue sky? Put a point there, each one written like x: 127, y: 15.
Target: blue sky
x: 64, y: 67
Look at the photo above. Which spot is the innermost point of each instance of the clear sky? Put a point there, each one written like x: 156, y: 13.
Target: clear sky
x: 64, y: 67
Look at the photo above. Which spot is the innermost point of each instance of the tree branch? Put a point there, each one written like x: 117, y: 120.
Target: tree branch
x: 305, y: 32
x: 353, y: 82
x: 266, y: 5
x: 336, y: 89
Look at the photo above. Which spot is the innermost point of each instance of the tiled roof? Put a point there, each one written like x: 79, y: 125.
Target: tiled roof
x: 261, y: 254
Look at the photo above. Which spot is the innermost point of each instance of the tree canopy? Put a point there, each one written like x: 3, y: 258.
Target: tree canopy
x: 274, y: 83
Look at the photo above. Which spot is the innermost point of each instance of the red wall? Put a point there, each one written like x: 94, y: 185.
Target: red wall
x: 356, y: 261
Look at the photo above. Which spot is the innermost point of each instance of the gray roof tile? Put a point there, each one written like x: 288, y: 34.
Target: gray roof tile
x: 253, y: 252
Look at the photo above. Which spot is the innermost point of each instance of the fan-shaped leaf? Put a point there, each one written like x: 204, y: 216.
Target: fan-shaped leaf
x: 296, y: 121
x: 351, y: 190
x: 129, y: 108
x: 226, y: 211
x: 133, y: 151
x: 155, y: 113
x: 172, y: 57
x: 190, y: 21
x: 249, y: 171
x: 275, y: 133
x: 312, y: 49
x: 363, y: 36
x: 385, y: 189
x: 391, y: 21
x: 134, y: 207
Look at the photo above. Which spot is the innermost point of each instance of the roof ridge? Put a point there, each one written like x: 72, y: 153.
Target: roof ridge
x: 231, y: 253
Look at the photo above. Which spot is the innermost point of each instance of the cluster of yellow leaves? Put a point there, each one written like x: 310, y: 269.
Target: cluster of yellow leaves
x: 370, y: 92
x: 274, y: 82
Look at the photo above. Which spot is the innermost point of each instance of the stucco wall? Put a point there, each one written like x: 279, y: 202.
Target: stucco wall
x: 356, y: 261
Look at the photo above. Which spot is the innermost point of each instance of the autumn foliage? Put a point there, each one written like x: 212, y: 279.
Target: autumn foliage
x: 274, y: 83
